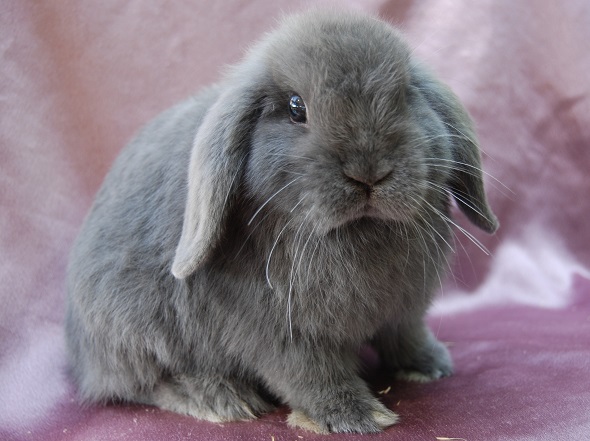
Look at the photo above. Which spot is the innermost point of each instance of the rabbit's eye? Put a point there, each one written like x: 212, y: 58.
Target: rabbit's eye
x: 297, y: 109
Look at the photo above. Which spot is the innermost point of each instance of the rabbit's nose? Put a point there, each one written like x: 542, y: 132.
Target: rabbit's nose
x: 369, y: 178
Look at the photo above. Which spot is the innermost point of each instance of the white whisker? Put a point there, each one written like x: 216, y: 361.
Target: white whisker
x: 449, y: 192
x: 467, y: 234
x: 311, y: 260
x: 270, y: 198
x: 469, y: 166
x: 232, y: 184
x: 463, y: 135
x: 292, y: 274
x: 417, y: 228
x: 407, y: 247
x: 267, y: 271
x: 311, y: 234
x: 431, y: 227
x: 284, y: 155
x: 440, y: 253
x: 270, y: 254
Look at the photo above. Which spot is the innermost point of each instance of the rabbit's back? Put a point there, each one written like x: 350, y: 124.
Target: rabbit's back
x: 121, y: 294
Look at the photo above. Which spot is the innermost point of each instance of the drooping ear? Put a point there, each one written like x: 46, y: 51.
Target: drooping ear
x: 467, y: 180
x: 215, y: 169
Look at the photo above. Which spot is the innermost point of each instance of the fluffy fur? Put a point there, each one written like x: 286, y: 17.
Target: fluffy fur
x: 233, y: 255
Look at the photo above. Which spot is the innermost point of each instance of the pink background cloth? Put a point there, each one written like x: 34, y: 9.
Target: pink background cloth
x: 78, y: 78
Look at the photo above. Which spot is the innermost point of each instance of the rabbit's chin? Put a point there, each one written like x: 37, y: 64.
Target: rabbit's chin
x: 368, y: 212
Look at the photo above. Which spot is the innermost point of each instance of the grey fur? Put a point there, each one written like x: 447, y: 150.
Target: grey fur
x: 291, y: 245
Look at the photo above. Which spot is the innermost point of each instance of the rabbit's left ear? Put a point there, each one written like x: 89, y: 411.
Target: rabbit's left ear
x: 467, y: 180
x: 216, y: 166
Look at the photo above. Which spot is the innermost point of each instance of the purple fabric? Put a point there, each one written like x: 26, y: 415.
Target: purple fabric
x: 78, y: 78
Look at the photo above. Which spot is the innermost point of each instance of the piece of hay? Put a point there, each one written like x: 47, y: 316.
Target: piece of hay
x: 384, y: 391
x: 442, y: 438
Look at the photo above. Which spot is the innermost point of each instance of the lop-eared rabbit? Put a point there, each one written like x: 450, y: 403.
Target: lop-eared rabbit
x: 250, y: 239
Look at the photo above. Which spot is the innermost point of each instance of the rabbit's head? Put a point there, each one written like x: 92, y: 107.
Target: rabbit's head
x: 330, y: 119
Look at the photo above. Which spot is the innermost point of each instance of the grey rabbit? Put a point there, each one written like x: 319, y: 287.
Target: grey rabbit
x: 252, y: 238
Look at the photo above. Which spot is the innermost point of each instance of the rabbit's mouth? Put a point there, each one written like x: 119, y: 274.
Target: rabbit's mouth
x: 371, y: 211
x: 374, y: 208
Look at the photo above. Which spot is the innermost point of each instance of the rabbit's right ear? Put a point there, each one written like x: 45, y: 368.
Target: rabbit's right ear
x: 217, y: 159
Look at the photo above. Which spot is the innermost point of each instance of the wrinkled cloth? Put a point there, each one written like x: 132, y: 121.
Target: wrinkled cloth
x: 77, y: 79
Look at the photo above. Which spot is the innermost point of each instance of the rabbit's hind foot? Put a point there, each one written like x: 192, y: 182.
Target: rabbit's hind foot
x: 212, y: 398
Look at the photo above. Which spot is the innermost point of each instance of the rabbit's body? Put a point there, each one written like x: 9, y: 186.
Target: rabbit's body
x: 295, y: 243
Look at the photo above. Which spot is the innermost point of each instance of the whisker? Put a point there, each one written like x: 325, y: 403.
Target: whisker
x: 449, y: 192
x: 463, y: 135
x: 273, y: 248
x: 270, y: 254
x: 461, y: 276
x: 445, y: 191
x: 432, y: 138
x: 430, y: 226
x: 291, y: 172
x: 284, y: 155
x: 439, y: 253
x: 270, y: 198
x: 471, y: 237
x: 467, y: 234
x: 407, y: 248
x: 291, y: 275
x: 417, y: 228
x: 311, y: 260
x: 311, y: 234
x: 231, y: 184
x: 469, y: 166
x: 255, y: 227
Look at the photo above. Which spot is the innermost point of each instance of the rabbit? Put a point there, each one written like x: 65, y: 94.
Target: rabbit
x: 252, y: 238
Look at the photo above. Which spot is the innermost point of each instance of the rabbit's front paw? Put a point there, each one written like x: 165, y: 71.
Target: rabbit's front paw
x: 431, y: 362
x: 351, y: 417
